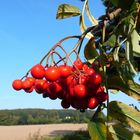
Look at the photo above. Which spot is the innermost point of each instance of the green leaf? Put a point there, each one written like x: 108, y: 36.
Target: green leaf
x: 111, y: 41
x: 124, y: 4
x: 97, y: 127
x: 125, y: 114
x: 135, y: 42
x: 83, y: 27
x: 82, y: 24
x: 125, y: 72
x: 129, y: 57
x: 120, y: 133
x: 66, y: 11
x: 124, y: 26
x: 133, y: 89
x: 91, y: 18
x: 130, y: 87
x: 97, y: 130
x: 90, y: 51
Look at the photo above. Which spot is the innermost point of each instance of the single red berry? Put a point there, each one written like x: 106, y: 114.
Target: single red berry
x: 68, y: 98
x: 45, y: 86
x: 85, y: 67
x: 80, y: 104
x: 92, y: 103
x: 65, y: 70
x: 31, y: 79
x: 95, y: 79
x: 102, y: 96
x: 61, y: 94
x: 71, y: 91
x: 55, y: 87
x: 62, y: 81
x: 70, y: 80
x: 82, y: 79
x: 17, y: 84
x: 52, y: 95
x: 29, y: 90
x: 80, y: 91
x: 26, y: 84
x: 39, y: 85
x: 90, y: 71
x: 65, y: 104
x: 75, y: 104
x: 52, y: 73
x: 84, y: 103
x: 38, y: 71
x: 78, y: 64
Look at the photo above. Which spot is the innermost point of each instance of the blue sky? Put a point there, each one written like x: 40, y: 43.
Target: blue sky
x: 28, y: 29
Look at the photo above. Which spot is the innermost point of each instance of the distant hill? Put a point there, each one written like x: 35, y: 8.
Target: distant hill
x: 42, y: 116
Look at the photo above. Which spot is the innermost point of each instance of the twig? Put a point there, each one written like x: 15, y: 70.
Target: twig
x: 114, y: 14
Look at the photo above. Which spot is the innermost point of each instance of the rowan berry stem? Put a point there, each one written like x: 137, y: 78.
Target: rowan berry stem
x: 56, y: 45
x: 26, y: 74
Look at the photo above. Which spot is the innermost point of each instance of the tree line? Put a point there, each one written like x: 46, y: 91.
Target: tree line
x: 42, y: 116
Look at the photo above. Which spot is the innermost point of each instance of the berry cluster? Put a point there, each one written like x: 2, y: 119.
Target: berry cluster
x: 78, y: 86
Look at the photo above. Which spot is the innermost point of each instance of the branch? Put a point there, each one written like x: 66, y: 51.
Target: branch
x: 114, y: 14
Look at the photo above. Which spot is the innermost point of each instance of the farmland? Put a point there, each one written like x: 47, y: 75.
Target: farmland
x: 23, y: 132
